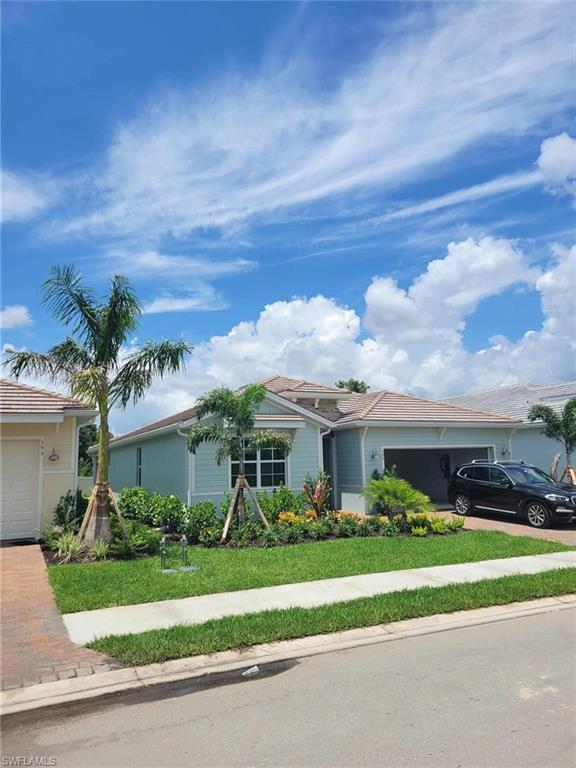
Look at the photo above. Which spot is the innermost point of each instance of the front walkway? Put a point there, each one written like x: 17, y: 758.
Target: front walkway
x: 35, y: 645
x: 564, y: 533
x: 131, y: 619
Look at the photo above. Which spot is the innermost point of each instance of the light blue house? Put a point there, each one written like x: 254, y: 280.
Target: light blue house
x: 346, y: 434
x: 527, y: 442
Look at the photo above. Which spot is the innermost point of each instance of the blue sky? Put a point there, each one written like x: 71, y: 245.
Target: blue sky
x: 380, y: 190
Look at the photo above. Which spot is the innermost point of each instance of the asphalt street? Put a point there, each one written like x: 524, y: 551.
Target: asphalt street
x: 498, y: 695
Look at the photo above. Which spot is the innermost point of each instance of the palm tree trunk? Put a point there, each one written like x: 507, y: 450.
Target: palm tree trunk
x: 241, y: 501
x: 99, y: 523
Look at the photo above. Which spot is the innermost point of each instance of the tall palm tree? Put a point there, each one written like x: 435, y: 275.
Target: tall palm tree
x: 558, y: 426
x: 235, y: 435
x: 92, y: 364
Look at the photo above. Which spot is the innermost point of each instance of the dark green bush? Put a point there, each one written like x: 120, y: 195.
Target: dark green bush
x: 142, y: 540
x: 169, y: 513
x: 137, y: 504
x: 282, y: 499
x: 200, y: 516
x: 210, y: 537
x: 70, y: 509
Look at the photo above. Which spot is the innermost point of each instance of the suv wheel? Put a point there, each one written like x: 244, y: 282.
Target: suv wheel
x: 462, y: 504
x: 537, y: 514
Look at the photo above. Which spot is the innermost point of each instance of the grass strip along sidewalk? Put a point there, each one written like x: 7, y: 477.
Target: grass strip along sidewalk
x: 242, y: 631
x: 99, y: 585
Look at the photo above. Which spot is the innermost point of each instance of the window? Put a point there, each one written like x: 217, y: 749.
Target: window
x: 479, y: 473
x: 265, y: 468
x: 139, y: 466
x: 498, y: 476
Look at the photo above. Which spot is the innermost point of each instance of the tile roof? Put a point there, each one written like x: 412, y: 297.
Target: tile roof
x: 516, y: 400
x: 22, y: 398
x: 277, y: 384
x: 387, y: 406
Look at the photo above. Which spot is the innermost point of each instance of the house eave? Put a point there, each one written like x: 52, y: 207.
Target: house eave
x: 439, y: 423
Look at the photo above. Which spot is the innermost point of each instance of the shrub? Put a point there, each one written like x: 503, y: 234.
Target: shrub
x: 348, y: 524
x: 250, y: 532
x: 438, y: 526
x: 317, y: 489
x: 142, y: 540
x: 282, y: 499
x: 137, y: 504
x: 169, y: 513
x: 197, y: 518
x: 70, y: 509
x: 455, y: 524
x: 269, y: 537
x: 210, y: 537
x: 419, y: 530
x: 289, y: 518
x: 99, y: 550
x: 392, y: 493
x: 69, y: 547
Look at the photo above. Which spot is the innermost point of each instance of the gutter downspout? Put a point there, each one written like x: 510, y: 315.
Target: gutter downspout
x: 189, y: 459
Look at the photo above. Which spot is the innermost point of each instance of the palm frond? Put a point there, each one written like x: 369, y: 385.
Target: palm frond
x: 568, y: 418
x: 219, y: 402
x: 70, y: 355
x: 119, y: 318
x: 36, y: 364
x: 269, y: 438
x: 73, y: 304
x: 89, y: 385
x: 206, y: 433
x: 246, y: 406
x: 153, y: 359
x: 551, y: 421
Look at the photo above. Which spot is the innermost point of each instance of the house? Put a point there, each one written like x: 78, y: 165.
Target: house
x: 347, y: 434
x: 527, y: 442
x: 38, y: 455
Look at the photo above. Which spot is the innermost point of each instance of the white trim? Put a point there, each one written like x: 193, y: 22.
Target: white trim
x: 409, y: 423
x: 31, y: 418
x: 59, y: 472
x: 389, y: 447
x: 295, y: 423
x: 298, y: 409
x: 40, y: 456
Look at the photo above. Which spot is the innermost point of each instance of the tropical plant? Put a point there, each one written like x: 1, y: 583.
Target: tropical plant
x: 354, y: 385
x: 317, y: 489
x: 392, y: 494
x: 99, y: 550
x: 87, y: 436
x: 69, y: 547
x: 200, y: 516
x: 70, y: 509
x: 234, y: 434
x: 419, y: 530
x: 558, y: 426
x: 93, y: 364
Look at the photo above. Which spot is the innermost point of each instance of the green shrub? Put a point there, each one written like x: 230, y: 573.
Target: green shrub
x: 420, y: 519
x: 197, y: 518
x: 317, y: 489
x: 348, y: 526
x: 419, y: 530
x: 99, y: 550
x: 269, y: 537
x: 69, y: 547
x: 137, y: 504
x: 142, y: 540
x: 210, y: 537
x: 455, y: 524
x: 282, y: 499
x: 391, y: 493
x: 169, y: 513
x: 438, y: 526
x: 70, y: 509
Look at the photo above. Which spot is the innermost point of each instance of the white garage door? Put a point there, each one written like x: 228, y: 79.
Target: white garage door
x: 19, y: 493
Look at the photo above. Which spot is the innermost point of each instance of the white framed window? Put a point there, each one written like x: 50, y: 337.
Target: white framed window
x: 265, y: 468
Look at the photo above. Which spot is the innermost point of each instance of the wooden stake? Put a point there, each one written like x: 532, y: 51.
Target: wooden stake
x: 117, y: 510
x: 231, y: 509
x: 255, y: 500
x: 88, y: 513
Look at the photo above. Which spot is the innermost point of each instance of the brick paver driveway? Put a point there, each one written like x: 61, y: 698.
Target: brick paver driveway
x: 565, y: 534
x: 35, y: 644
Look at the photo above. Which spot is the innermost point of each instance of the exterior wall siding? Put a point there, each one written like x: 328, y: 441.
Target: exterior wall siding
x: 348, y: 465
x: 529, y: 445
x: 164, y: 462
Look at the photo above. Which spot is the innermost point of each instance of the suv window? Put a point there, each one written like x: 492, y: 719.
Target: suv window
x: 464, y: 472
x: 498, y: 476
x: 479, y: 473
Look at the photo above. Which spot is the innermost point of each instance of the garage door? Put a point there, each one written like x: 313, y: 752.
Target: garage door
x: 19, y: 494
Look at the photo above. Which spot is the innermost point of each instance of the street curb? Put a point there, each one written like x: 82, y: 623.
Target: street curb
x: 62, y: 692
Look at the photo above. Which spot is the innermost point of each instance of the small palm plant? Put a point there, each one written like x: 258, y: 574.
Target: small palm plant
x: 235, y: 434
x: 559, y: 426
x: 92, y: 364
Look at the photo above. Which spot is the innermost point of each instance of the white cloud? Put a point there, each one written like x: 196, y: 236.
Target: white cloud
x: 243, y: 148
x: 416, y: 335
x: 24, y: 197
x: 557, y: 162
x: 15, y: 316
x: 151, y: 264
x: 204, y: 299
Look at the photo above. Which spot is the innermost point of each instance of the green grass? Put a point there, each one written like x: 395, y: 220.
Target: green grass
x: 99, y: 585
x: 242, y: 631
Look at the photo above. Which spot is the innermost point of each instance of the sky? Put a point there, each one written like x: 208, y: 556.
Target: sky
x: 320, y: 190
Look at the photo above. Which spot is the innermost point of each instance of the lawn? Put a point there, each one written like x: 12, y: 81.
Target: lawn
x: 242, y: 631
x: 125, y: 582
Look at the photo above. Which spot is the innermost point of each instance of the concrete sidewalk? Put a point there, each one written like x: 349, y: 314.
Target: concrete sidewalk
x: 131, y: 619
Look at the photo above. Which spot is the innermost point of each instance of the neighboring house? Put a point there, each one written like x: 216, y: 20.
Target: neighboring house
x: 38, y: 455
x: 528, y: 443
x: 347, y: 434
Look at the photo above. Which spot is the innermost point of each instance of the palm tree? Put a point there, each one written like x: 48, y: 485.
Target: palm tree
x: 92, y: 364
x: 235, y: 435
x: 558, y: 426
